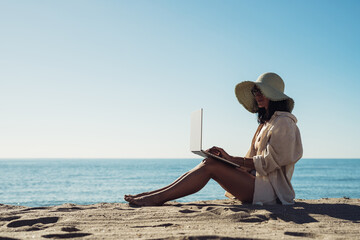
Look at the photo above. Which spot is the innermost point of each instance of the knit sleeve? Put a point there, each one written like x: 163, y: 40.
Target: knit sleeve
x: 283, y: 148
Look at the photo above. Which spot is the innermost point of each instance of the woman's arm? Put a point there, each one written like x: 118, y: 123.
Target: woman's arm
x: 243, y: 162
x: 283, y: 147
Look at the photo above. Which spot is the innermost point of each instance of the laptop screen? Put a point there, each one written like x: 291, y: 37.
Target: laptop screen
x: 196, y: 130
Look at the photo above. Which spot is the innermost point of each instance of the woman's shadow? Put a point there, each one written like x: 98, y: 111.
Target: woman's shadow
x: 301, y: 212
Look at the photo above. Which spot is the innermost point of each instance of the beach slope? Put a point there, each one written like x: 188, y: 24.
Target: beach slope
x: 218, y: 219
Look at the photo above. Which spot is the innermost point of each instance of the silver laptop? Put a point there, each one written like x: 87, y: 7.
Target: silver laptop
x: 196, y: 138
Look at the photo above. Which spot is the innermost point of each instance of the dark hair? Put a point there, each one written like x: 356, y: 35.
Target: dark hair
x: 264, y: 116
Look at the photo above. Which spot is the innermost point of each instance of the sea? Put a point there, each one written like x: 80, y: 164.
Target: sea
x: 48, y: 182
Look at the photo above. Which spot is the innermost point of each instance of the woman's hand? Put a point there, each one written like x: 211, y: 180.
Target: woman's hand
x: 219, y: 152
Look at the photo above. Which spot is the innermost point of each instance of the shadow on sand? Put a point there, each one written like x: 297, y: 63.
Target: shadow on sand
x: 298, y: 213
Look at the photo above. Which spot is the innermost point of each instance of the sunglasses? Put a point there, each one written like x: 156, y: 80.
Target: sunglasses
x: 255, y: 91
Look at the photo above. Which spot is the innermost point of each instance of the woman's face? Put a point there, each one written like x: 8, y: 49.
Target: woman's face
x: 261, y: 100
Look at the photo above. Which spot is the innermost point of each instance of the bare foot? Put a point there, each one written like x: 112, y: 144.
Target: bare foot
x: 128, y: 197
x: 144, y: 201
x: 138, y: 195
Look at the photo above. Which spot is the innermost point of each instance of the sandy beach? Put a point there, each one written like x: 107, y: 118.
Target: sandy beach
x: 217, y: 219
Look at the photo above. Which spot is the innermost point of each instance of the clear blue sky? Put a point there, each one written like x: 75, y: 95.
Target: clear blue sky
x: 120, y: 78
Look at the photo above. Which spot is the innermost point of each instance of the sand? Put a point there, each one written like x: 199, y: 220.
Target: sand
x: 218, y: 219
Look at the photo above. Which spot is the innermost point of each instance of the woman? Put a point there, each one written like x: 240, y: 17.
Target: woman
x: 264, y: 175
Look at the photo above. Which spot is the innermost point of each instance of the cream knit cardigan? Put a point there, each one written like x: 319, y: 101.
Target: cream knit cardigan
x: 279, y: 147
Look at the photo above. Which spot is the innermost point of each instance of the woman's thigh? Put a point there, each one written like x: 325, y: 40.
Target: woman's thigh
x: 236, y: 181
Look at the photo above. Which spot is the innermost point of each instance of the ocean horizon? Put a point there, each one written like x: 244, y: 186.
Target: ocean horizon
x: 37, y: 182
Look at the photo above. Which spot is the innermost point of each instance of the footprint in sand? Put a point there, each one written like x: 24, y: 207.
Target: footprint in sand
x: 31, y: 222
x: 72, y: 232
x: 187, y: 211
x: 224, y: 210
x: 35, y: 224
x: 301, y: 234
x: 69, y: 209
x: 66, y: 235
x: 160, y: 225
x: 255, y: 218
x: 234, y: 213
x: 70, y: 229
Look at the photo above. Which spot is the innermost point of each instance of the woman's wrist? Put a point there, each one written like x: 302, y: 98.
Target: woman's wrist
x: 249, y: 162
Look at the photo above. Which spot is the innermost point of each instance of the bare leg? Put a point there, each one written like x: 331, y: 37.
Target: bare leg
x: 128, y: 196
x: 238, y: 183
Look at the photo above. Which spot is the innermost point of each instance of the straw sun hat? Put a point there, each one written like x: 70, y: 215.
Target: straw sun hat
x: 271, y: 86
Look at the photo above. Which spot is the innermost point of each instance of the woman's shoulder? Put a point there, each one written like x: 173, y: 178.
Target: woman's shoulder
x: 280, y: 116
x: 282, y: 121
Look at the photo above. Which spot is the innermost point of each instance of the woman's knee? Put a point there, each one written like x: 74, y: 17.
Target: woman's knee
x: 208, y: 161
x: 211, y: 164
